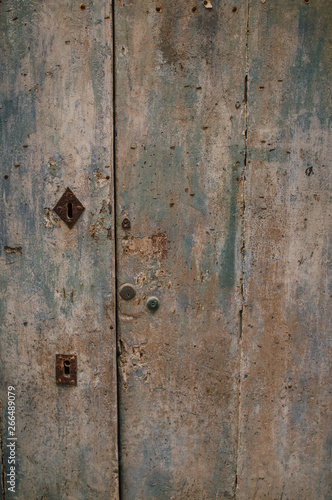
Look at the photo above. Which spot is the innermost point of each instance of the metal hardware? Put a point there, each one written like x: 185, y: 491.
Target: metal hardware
x: 127, y: 291
x: 69, y: 208
x: 66, y: 369
x: 126, y: 223
x: 152, y: 303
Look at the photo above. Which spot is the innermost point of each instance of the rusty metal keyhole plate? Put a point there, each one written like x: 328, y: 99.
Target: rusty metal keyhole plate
x: 69, y: 208
x: 66, y: 369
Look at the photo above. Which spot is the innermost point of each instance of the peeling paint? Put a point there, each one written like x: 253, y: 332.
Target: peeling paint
x: 149, y: 247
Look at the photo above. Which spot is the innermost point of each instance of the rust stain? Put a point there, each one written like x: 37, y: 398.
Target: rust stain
x: 154, y: 246
x: 15, y: 250
x: 207, y: 4
x: 131, y: 358
x: 275, y: 233
x: 50, y: 219
x: 95, y: 229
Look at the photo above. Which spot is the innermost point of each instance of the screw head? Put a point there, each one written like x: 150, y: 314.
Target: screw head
x: 126, y: 223
x: 152, y: 303
x: 127, y: 291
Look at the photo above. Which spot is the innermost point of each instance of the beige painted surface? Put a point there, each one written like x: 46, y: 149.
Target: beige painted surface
x: 222, y: 149
x: 57, y: 293
x: 179, y: 155
x: 285, y: 403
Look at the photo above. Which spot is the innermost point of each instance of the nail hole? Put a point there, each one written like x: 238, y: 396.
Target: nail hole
x: 306, y: 1
x: 234, y: 9
x: 70, y: 210
x: 6, y: 176
x: 194, y: 9
x: 158, y: 9
x: 66, y: 367
x: 82, y: 6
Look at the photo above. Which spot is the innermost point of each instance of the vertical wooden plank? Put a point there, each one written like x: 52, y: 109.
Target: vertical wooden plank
x: 285, y: 434
x: 57, y: 285
x: 179, y: 149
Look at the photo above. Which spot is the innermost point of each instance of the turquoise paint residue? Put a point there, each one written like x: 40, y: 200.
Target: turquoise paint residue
x: 182, y: 301
x: 16, y: 25
x: 227, y: 275
x: 17, y: 122
x: 98, y: 63
x: 187, y: 247
x: 157, y: 460
x: 195, y: 169
x: 312, y: 71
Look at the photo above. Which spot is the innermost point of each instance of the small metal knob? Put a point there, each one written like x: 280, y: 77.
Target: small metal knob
x: 127, y: 291
x: 126, y: 223
x: 152, y: 303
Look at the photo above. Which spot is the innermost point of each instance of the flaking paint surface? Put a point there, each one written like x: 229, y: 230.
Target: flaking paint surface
x: 285, y: 401
x: 57, y: 291
x: 224, y: 391
x: 179, y: 150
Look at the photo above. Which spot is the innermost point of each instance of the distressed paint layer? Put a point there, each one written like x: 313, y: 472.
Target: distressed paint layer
x: 179, y: 149
x: 57, y: 285
x: 285, y: 428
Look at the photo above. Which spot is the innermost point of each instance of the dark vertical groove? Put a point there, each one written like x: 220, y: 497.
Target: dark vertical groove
x: 115, y: 244
x: 243, y: 209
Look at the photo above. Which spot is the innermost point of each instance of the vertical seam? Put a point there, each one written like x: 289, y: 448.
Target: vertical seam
x: 243, y: 210
x: 115, y: 245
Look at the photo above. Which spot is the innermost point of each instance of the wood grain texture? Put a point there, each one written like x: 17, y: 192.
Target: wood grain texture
x: 224, y: 390
x: 179, y: 150
x: 57, y: 293
x: 285, y: 431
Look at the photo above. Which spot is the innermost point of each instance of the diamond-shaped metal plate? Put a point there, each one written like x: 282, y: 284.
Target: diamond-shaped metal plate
x: 69, y: 208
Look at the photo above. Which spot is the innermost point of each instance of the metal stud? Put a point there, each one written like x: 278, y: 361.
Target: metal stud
x: 127, y: 291
x: 126, y: 223
x: 152, y: 303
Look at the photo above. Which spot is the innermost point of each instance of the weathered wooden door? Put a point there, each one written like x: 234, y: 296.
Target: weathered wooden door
x: 180, y: 153
x: 192, y: 290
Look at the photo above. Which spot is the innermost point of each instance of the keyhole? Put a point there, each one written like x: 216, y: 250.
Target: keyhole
x: 66, y: 366
x: 70, y: 210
